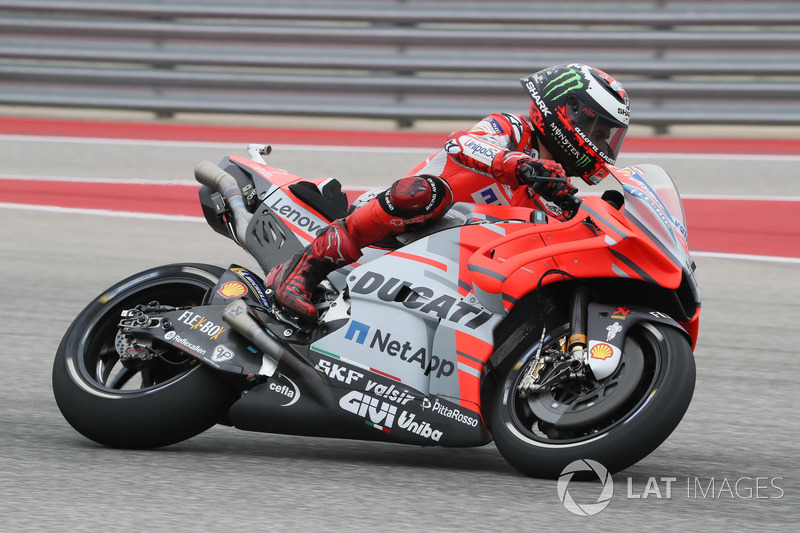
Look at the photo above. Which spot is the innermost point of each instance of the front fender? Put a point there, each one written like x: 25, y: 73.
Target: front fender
x: 608, y: 325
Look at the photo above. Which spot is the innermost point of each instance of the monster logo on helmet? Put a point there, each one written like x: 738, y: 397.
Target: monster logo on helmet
x: 580, y: 115
x: 565, y: 82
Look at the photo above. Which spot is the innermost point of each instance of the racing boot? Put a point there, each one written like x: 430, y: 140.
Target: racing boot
x: 294, y: 281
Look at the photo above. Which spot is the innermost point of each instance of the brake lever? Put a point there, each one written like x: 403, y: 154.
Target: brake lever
x: 537, y: 183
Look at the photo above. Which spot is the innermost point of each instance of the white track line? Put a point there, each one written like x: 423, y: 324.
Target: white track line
x: 746, y: 257
x: 377, y: 149
x: 81, y: 179
x: 207, y: 144
x: 101, y: 212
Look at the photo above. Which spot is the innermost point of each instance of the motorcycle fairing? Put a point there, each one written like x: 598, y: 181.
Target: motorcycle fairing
x: 269, y: 239
x: 607, y: 328
x: 422, y: 316
x: 650, y: 203
x: 413, y: 318
x: 509, y: 267
x: 369, y: 407
x: 301, y: 220
x: 288, y: 211
x: 273, y: 177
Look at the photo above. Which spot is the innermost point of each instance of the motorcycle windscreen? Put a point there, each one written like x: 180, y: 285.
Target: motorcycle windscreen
x: 652, y: 200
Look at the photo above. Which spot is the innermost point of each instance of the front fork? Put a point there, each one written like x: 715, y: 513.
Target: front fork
x: 578, y: 340
x: 593, y: 348
x: 568, y: 360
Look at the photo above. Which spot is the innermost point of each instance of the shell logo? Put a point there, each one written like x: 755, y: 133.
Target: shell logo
x: 232, y: 289
x: 601, y: 351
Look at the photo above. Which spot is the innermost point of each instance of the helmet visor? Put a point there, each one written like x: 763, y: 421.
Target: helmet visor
x: 605, y: 133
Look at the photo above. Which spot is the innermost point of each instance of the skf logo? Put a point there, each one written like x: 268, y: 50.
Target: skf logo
x: 601, y: 351
x: 232, y: 289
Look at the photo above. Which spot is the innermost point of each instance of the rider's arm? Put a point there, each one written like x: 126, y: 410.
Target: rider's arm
x: 494, y: 147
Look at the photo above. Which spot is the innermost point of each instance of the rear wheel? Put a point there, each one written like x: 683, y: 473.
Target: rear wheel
x: 166, y: 400
x: 616, y: 421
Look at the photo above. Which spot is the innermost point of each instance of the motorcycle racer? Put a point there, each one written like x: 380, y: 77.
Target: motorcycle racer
x: 577, y: 121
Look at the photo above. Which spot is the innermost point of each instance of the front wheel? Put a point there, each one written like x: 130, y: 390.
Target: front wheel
x: 616, y: 421
x: 169, y: 399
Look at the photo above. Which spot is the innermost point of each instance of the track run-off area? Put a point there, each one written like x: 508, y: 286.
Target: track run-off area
x: 739, y: 223
x: 85, y: 203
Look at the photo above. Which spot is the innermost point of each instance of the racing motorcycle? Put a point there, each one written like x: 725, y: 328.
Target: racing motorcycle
x: 559, y: 339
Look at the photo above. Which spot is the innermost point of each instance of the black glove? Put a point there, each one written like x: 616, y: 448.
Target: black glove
x: 548, y: 179
x: 529, y: 169
x: 554, y: 190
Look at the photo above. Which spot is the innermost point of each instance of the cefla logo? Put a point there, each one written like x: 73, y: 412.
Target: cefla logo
x: 290, y: 392
x: 586, y: 509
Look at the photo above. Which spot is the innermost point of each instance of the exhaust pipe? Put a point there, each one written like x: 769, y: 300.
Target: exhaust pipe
x: 238, y: 317
x: 210, y: 175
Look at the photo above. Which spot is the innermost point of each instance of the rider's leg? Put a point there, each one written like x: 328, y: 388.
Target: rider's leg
x: 410, y: 200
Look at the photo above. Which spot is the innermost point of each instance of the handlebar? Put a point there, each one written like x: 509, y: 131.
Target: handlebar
x: 556, y: 190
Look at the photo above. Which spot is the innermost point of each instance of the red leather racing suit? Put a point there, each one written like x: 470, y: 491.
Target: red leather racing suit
x: 477, y: 165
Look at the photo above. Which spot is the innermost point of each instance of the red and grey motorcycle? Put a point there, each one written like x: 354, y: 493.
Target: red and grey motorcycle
x: 559, y: 340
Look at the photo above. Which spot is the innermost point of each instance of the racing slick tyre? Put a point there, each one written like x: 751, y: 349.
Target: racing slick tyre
x: 616, y: 421
x: 169, y: 399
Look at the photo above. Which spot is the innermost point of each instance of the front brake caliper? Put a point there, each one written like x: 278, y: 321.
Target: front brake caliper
x: 550, y: 366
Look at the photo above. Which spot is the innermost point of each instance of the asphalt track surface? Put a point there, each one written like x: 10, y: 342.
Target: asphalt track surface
x: 733, y: 458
